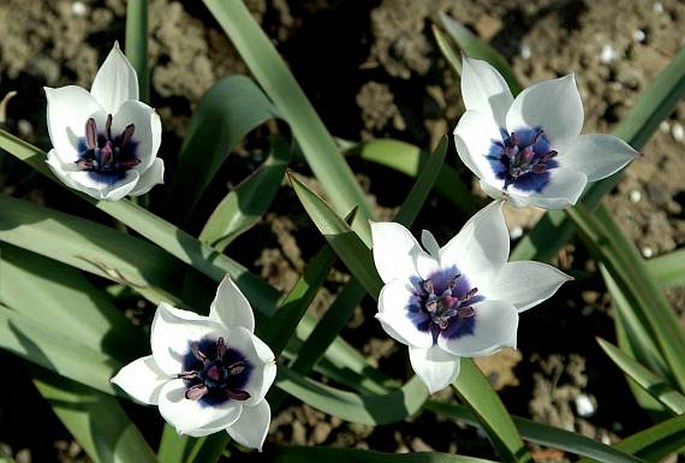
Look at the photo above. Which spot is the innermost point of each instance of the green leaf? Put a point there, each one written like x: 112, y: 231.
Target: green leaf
x: 136, y: 44
x: 650, y: 382
x: 447, y: 49
x: 54, y: 351
x: 371, y: 409
x: 95, y: 419
x: 655, y: 443
x: 543, y: 434
x: 669, y: 269
x: 607, y: 243
x: 292, y: 454
x: 243, y: 207
x: 273, y: 74
x: 61, y: 299
x: 656, y: 104
x: 474, y: 47
x: 410, y: 160
x: 346, y: 243
x: 229, y: 110
x: 174, y: 447
x: 473, y: 388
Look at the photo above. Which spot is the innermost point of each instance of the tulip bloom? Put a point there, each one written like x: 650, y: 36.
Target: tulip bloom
x: 461, y: 300
x: 105, y: 141
x: 529, y: 149
x: 206, y: 374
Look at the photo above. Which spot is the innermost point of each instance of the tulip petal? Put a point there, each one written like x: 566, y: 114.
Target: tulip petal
x: 142, y: 379
x: 173, y: 331
x: 430, y: 244
x: 394, y: 315
x: 115, y: 82
x: 554, y: 106
x: 481, y: 247
x: 191, y: 417
x: 598, y: 156
x: 68, y: 111
x: 258, y: 354
x: 525, y: 284
x: 495, y: 327
x: 485, y: 90
x: 230, y: 307
x: 563, y: 189
x: 476, y: 136
x: 252, y: 427
x: 147, y: 134
x: 395, y: 251
x: 436, y: 368
x: 151, y: 177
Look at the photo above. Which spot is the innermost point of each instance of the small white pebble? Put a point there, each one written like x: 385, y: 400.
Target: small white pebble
x: 526, y: 52
x: 639, y: 35
x: 658, y: 8
x: 24, y: 127
x: 635, y: 196
x: 678, y: 132
x: 584, y: 406
x: 79, y: 8
x: 647, y: 252
x: 607, y: 55
x: 665, y: 127
x: 516, y: 233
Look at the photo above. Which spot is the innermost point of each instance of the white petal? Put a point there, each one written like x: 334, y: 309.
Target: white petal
x: 115, y: 82
x: 563, y: 190
x: 495, y: 327
x: 230, y: 307
x: 151, y: 177
x: 259, y: 355
x: 553, y: 105
x: 394, y: 316
x: 475, y: 136
x: 598, y: 156
x: 68, y: 111
x: 97, y: 186
x: 436, y: 368
x: 142, y: 379
x: 481, y: 247
x: 253, y: 425
x: 485, y: 90
x: 192, y: 417
x: 525, y: 284
x: 395, y: 251
x: 173, y: 330
x: 147, y: 133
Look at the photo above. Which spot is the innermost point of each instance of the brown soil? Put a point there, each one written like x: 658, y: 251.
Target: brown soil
x: 372, y: 70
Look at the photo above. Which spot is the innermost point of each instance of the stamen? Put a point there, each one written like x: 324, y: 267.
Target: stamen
x: 428, y: 287
x: 91, y: 134
x: 236, y: 368
x: 195, y: 349
x: 220, y: 348
x: 469, y: 294
x: 238, y: 394
x: 196, y: 392
x: 187, y: 375
x: 128, y: 133
x: 108, y: 126
x: 466, y: 312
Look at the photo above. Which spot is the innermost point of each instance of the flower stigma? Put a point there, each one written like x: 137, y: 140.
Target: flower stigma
x: 443, y: 304
x: 102, y: 153
x: 215, y: 373
x: 523, y: 158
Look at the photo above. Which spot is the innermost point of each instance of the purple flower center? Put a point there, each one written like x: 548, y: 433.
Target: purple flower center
x: 214, y: 373
x: 106, y: 154
x: 443, y: 304
x: 523, y: 158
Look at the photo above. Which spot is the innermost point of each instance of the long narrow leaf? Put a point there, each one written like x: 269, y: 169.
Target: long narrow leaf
x: 669, y: 269
x: 650, y: 382
x: 273, y: 74
x: 95, y: 419
x: 335, y: 455
x: 473, y: 387
x: 136, y: 44
x: 243, y: 207
x: 232, y: 108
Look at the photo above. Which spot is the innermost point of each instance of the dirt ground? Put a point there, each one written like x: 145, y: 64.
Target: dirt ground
x: 372, y: 69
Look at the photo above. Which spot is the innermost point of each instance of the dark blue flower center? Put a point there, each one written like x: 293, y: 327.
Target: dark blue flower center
x: 523, y: 158
x: 443, y: 304
x: 108, y: 156
x: 214, y: 373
